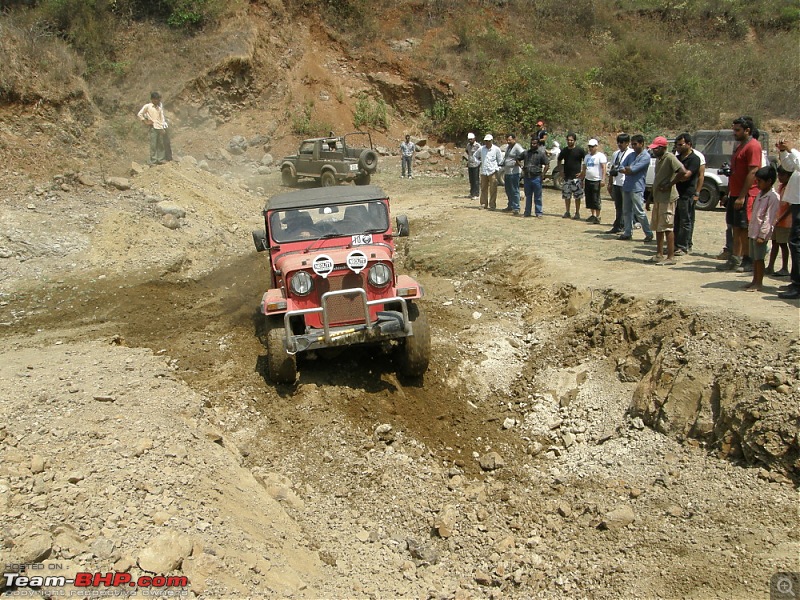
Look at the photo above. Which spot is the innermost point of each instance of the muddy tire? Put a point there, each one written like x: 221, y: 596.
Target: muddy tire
x: 281, y: 366
x: 368, y: 160
x: 287, y: 177
x: 709, y: 196
x: 327, y: 179
x: 363, y: 179
x: 415, y: 352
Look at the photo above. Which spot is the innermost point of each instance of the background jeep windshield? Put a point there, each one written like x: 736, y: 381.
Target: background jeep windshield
x: 294, y: 225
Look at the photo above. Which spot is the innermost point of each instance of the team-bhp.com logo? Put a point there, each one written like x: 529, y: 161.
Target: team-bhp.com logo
x: 23, y: 579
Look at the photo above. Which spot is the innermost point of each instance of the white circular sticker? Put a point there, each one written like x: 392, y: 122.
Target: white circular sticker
x: 322, y: 265
x: 357, y: 261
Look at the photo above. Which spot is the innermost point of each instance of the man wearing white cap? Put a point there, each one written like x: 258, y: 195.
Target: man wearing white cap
x: 593, y: 174
x: 490, y: 158
x: 473, y: 166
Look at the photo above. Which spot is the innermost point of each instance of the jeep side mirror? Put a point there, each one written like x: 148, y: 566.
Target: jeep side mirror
x: 260, y: 240
x: 402, y: 226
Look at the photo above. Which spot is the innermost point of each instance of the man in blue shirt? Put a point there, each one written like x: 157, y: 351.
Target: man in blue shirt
x: 635, y: 166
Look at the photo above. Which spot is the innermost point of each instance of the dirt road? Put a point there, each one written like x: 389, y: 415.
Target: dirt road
x: 546, y: 333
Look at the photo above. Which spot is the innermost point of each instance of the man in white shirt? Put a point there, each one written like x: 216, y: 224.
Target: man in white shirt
x: 152, y: 115
x: 491, y: 160
x: 790, y: 160
x: 593, y: 174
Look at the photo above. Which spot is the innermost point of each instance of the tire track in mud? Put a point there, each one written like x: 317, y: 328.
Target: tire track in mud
x: 210, y: 327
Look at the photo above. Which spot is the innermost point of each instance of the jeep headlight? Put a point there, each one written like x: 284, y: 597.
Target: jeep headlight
x: 301, y: 283
x: 379, y: 275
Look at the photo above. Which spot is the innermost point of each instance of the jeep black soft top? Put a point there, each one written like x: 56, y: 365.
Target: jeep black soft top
x: 332, y: 195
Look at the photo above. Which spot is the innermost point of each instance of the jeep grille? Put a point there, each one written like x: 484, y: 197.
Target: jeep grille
x: 345, y: 308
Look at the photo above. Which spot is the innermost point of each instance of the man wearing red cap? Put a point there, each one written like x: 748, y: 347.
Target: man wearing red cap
x: 541, y: 132
x: 668, y: 172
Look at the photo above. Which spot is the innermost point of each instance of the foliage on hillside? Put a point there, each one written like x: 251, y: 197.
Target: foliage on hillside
x: 645, y: 65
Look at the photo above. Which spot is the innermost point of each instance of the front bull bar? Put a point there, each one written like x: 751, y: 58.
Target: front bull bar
x: 328, y: 335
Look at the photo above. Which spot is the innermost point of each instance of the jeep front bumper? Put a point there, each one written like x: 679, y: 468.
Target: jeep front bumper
x: 389, y: 325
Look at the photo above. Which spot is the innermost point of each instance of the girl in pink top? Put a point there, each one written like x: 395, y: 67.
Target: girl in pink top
x: 762, y: 221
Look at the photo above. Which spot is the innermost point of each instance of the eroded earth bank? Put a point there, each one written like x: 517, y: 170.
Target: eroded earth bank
x: 591, y: 426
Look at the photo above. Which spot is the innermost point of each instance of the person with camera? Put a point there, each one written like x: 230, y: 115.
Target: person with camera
x: 634, y: 167
x: 534, y: 167
x: 616, y: 179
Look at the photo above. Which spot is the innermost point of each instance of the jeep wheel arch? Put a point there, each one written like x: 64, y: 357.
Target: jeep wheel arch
x: 415, y: 352
x: 368, y: 160
x: 288, y: 176
x: 709, y: 196
x: 327, y: 179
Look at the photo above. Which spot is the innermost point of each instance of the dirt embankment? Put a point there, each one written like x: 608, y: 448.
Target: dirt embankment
x: 591, y: 425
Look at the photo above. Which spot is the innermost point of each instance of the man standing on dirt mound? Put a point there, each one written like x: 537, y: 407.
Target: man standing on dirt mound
x: 152, y: 115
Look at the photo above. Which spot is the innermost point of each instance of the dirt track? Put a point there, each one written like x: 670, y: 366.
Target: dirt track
x: 535, y: 323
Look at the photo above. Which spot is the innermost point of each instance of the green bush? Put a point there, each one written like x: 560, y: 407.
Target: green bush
x: 515, y: 99
x: 370, y: 113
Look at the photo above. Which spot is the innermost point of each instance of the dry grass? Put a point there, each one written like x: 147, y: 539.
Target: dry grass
x: 35, y: 64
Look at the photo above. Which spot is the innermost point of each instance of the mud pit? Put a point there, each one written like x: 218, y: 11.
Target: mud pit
x: 544, y: 334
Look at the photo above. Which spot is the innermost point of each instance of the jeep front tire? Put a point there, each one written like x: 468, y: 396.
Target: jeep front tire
x: 281, y: 366
x: 415, y: 352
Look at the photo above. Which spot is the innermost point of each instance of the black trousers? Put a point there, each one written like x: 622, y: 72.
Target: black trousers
x: 794, y: 245
x: 616, y: 194
x: 683, y: 222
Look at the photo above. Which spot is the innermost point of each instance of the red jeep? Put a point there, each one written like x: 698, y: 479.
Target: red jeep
x: 333, y: 280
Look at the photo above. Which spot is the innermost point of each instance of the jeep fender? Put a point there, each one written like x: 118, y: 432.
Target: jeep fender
x: 290, y: 165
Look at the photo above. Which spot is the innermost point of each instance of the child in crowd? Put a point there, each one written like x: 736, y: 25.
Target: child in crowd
x: 783, y: 226
x: 762, y: 222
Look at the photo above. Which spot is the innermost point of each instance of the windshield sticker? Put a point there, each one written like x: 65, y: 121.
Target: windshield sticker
x: 362, y: 239
x: 322, y: 265
x: 357, y: 261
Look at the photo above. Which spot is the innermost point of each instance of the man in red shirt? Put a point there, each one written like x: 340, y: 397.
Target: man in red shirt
x: 742, y: 190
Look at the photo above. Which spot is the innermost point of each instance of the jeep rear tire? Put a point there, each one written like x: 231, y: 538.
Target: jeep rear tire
x: 362, y: 179
x: 281, y: 366
x: 415, y: 352
x: 287, y: 177
x: 327, y: 179
x: 368, y: 161
x: 709, y: 196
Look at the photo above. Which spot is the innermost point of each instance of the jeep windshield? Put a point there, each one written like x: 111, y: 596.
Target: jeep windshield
x: 334, y: 220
